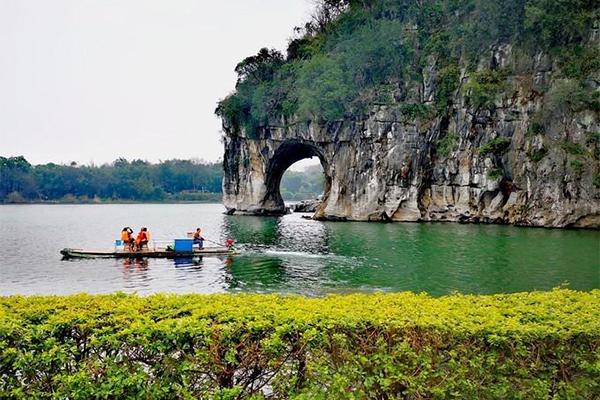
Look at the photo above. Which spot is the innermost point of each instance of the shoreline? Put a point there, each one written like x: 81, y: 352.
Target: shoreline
x: 100, y: 203
x: 304, y: 214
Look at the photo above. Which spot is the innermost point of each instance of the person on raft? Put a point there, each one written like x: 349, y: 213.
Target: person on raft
x: 127, y: 238
x: 198, y: 238
x: 142, y: 239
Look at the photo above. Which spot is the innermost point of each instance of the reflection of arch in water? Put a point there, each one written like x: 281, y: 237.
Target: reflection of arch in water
x: 285, y: 156
x: 277, y: 253
x: 289, y: 233
x: 304, y: 236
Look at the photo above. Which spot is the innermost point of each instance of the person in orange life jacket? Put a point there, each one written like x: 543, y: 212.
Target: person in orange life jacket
x: 198, y: 239
x: 127, y: 238
x: 142, y: 238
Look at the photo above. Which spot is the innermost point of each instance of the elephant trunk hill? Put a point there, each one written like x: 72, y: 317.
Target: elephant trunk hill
x: 426, y: 111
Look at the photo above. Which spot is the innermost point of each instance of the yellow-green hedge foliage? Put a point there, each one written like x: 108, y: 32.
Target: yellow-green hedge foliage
x: 379, y: 346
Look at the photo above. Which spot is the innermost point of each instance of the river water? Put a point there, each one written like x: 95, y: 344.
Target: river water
x: 287, y: 254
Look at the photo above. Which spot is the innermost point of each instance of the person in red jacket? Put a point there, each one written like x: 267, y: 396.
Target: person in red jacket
x: 141, y: 239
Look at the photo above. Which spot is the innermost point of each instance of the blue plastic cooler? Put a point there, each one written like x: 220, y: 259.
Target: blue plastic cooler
x: 184, y: 245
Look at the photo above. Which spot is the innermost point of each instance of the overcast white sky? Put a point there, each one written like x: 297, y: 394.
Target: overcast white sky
x: 93, y: 80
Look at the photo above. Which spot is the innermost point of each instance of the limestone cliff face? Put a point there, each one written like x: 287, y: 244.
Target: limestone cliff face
x: 491, y: 164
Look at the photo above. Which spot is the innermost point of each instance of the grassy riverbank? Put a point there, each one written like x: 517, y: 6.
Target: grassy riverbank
x: 525, y: 345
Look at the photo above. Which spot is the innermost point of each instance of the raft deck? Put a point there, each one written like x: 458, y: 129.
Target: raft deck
x: 159, y: 252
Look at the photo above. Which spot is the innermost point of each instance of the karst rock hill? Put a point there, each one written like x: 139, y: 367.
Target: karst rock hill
x: 472, y: 111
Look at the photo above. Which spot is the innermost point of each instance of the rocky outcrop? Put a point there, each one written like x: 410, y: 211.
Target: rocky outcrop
x: 306, y: 206
x: 514, y: 161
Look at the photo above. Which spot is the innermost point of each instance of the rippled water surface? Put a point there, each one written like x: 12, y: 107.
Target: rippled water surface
x: 288, y: 254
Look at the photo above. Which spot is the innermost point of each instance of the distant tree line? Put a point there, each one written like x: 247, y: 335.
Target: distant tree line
x: 123, y: 180
x: 303, y: 185
x: 136, y: 180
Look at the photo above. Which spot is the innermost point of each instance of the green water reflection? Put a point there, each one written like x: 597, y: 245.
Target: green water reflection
x: 288, y: 254
x: 297, y: 255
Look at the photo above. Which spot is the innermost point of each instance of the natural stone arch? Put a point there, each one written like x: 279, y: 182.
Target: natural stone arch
x: 288, y: 153
x: 385, y: 168
x: 254, y: 168
x: 361, y: 170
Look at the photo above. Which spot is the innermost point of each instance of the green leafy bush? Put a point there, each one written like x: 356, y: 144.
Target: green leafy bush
x: 495, y: 173
x: 536, y: 125
x: 536, y: 155
x: 324, y: 90
x: 412, y: 111
x: 579, y: 62
x: 446, y: 84
x: 569, y: 95
x: 496, y: 146
x: 446, y: 144
x: 535, y: 128
x: 551, y: 23
x: 592, y: 139
x: 577, y: 166
x: 526, y: 345
x: 573, y: 148
x: 484, y: 87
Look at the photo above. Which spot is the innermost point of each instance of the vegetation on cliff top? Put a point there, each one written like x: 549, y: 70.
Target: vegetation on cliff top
x: 356, y: 53
x: 527, y: 345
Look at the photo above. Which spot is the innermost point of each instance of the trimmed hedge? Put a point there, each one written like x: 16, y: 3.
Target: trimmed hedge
x: 525, y: 345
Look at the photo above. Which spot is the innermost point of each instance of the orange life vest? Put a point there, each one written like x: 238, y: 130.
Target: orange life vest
x: 141, y: 237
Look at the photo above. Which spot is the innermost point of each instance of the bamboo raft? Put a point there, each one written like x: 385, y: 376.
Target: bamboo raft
x: 158, y: 252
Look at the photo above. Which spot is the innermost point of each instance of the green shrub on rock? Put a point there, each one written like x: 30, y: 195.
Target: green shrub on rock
x: 495, y: 173
x: 447, y: 82
x: 413, y: 111
x: 496, y: 146
x: 525, y: 345
x: 536, y: 155
x: 536, y: 125
x: 485, y: 86
x: 572, y: 148
x: 446, y: 144
x: 577, y: 166
x: 597, y: 180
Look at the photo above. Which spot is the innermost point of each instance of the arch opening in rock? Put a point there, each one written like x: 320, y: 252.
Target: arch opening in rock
x: 304, y: 180
x: 285, y: 156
